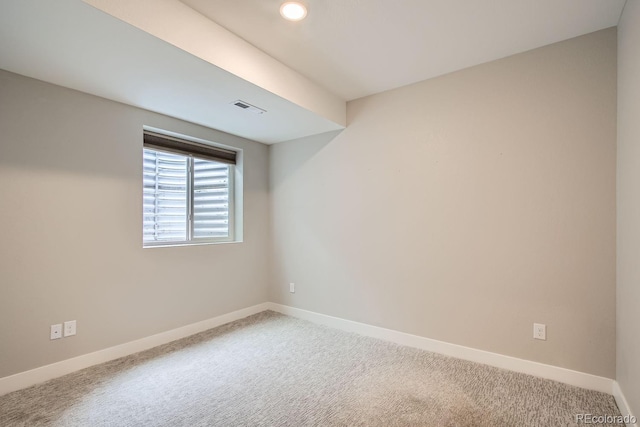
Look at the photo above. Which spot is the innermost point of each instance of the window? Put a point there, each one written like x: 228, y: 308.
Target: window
x: 188, y: 192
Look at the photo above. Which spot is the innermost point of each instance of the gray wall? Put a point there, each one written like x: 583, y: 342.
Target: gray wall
x: 628, y: 320
x: 464, y: 208
x: 71, y: 229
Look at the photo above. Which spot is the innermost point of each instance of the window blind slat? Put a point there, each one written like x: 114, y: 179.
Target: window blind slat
x: 210, y: 199
x: 165, y: 196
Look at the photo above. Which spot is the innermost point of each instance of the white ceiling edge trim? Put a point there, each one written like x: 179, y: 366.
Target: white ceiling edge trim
x: 178, y: 24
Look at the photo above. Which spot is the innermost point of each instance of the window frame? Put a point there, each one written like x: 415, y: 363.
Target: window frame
x: 190, y: 206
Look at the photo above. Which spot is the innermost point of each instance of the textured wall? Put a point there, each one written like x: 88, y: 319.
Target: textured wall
x: 464, y: 208
x: 628, y: 321
x: 71, y: 229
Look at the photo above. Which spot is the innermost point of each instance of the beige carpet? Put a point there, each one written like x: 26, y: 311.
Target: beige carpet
x: 274, y: 370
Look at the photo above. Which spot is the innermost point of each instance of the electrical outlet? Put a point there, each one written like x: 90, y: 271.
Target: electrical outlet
x: 56, y: 331
x: 69, y: 328
x: 539, y: 331
x: 292, y: 287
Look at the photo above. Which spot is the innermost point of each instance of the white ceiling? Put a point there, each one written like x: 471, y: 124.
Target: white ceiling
x: 163, y: 56
x: 356, y: 48
x: 72, y: 44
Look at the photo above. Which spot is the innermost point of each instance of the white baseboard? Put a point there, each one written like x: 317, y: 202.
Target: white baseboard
x: 44, y: 373
x: 567, y: 376
x: 622, y: 403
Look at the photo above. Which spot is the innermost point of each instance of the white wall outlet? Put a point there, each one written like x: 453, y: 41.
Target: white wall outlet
x: 56, y: 331
x: 539, y: 331
x: 69, y: 328
x: 292, y: 287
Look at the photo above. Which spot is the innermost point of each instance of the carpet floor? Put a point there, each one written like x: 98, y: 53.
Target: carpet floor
x: 274, y: 370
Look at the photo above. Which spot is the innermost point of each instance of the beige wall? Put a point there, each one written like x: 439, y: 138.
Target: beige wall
x: 465, y: 208
x: 628, y: 320
x: 462, y: 208
x: 71, y: 229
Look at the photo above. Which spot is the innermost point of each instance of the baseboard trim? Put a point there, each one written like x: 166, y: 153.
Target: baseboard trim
x: 28, y: 378
x: 622, y: 403
x: 567, y: 376
x: 580, y: 379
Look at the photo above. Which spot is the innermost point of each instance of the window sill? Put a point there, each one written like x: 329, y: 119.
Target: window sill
x: 178, y: 244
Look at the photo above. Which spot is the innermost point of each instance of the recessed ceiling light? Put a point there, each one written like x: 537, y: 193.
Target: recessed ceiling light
x: 293, y: 11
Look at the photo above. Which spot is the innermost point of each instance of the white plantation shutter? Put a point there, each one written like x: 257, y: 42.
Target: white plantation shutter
x: 210, y: 199
x: 186, y: 198
x: 165, y: 214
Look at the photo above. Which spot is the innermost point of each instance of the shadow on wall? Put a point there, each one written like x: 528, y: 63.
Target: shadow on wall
x: 48, y: 127
x: 294, y: 154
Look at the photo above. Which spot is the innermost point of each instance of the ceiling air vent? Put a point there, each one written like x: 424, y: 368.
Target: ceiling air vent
x: 248, y: 107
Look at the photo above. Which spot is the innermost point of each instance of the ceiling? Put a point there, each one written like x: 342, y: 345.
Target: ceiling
x: 356, y: 48
x: 72, y: 44
x: 191, y: 59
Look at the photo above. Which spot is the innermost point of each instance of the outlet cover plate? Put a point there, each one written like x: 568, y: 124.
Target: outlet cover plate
x: 69, y: 328
x: 539, y: 331
x: 56, y: 331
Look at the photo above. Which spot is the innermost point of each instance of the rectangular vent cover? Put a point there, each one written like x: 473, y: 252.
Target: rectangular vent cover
x: 248, y: 107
